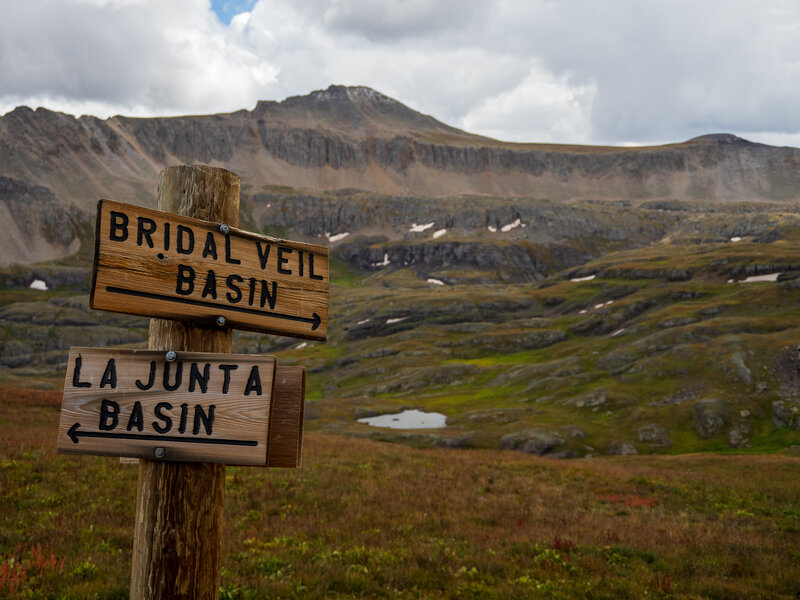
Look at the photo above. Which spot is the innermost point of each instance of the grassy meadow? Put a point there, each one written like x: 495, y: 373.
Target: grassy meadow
x: 663, y: 348
x: 364, y: 519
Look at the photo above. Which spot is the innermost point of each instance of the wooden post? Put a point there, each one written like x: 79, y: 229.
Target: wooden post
x: 177, y: 535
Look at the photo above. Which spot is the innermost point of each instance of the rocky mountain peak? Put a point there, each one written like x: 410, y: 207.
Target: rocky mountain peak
x: 722, y: 138
x: 357, y: 108
x: 356, y: 93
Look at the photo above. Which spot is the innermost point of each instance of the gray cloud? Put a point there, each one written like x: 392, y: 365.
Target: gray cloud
x: 525, y: 70
x: 387, y: 20
x: 162, y: 57
x: 666, y: 68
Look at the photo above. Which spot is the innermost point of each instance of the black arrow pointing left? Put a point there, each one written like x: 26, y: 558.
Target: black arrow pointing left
x: 74, y: 434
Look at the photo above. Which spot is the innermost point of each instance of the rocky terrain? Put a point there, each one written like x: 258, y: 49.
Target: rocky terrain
x: 640, y: 329
x: 345, y: 138
x: 563, y: 301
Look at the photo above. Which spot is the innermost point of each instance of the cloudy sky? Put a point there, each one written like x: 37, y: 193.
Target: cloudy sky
x: 568, y: 71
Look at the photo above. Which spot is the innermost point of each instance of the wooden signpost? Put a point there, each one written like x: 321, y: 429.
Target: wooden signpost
x: 187, y: 407
x: 157, y: 264
x: 195, y: 407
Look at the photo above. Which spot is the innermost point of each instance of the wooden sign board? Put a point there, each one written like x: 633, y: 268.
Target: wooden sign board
x: 286, y: 424
x: 159, y: 264
x: 199, y: 407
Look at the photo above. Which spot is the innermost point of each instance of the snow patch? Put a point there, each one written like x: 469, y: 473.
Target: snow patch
x: 439, y: 233
x: 736, y: 238
x: 510, y: 226
x: 38, y: 284
x: 301, y: 345
x: 602, y: 304
x: 337, y: 237
x: 582, y: 312
x: 492, y: 228
x: 362, y: 322
x: 756, y: 278
x: 617, y: 332
x: 384, y: 262
x: 420, y: 228
x: 397, y: 320
x: 435, y: 281
x: 587, y: 278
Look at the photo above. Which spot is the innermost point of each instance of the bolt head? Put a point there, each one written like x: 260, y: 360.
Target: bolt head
x: 224, y: 229
x: 160, y: 452
x: 220, y: 321
x: 171, y: 356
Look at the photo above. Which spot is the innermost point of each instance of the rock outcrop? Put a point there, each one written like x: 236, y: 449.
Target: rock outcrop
x: 35, y: 225
x: 358, y: 139
x: 710, y: 417
x: 535, y: 441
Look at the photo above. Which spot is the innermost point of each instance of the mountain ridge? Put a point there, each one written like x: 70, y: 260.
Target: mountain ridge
x: 360, y: 139
x: 566, y: 301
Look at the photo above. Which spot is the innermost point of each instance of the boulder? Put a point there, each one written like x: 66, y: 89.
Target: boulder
x: 591, y: 399
x: 622, y: 449
x: 533, y: 441
x: 786, y: 413
x: 655, y: 435
x: 737, y: 436
x: 741, y: 371
x: 710, y: 416
x: 574, y: 431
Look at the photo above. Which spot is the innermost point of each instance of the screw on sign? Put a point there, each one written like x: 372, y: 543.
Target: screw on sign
x: 187, y: 406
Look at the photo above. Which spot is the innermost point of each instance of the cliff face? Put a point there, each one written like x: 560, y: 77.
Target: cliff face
x: 34, y: 225
x: 360, y: 139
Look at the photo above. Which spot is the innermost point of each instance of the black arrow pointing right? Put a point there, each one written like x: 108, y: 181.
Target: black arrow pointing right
x: 314, y: 320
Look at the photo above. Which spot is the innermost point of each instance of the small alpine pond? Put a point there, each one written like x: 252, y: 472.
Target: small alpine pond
x: 407, y: 419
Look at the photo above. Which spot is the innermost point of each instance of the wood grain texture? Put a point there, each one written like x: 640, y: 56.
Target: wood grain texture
x: 106, y: 412
x: 158, y: 264
x: 178, y: 529
x: 286, y: 423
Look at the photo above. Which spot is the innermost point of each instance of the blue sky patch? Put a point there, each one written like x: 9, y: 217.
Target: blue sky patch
x: 227, y: 9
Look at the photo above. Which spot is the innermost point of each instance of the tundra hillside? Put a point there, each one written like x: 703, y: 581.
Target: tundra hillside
x: 643, y: 302
x: 559, y: 301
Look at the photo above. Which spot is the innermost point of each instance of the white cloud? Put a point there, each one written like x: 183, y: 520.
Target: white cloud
x: 580, y: 71
x: 541, y: 107
x: 678, y: 69
x: 137, y: 57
